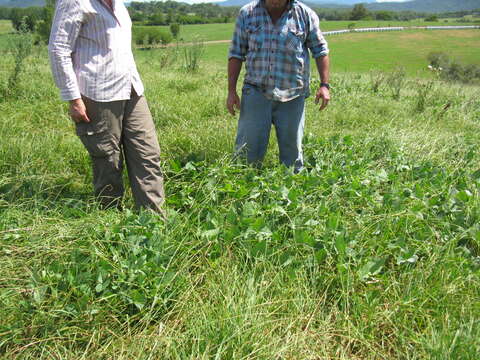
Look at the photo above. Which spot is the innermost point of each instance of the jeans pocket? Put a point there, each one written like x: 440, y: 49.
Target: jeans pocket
x: 246, y: 90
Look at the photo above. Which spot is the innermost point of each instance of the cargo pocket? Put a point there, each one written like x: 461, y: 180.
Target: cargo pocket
x: 96, y: 138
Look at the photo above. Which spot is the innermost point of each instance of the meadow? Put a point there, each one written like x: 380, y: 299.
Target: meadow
x: 216, y: 32
x: 373, y: 252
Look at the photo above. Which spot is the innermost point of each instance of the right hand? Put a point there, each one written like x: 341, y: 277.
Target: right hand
x: 233, y: 101
x: 78, y: 111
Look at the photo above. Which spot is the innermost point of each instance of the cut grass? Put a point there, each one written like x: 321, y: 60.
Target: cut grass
x: 372, y: 253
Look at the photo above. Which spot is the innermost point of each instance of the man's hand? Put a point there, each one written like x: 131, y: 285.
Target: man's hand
x: 324, y: 94
x: 78, y: 111
x: 233, y: 101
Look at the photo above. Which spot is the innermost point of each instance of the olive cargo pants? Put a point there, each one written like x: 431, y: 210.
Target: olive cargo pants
x: 118, y: 130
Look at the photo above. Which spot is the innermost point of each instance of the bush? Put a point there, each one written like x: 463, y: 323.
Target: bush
x: 148, y: 36
x: 192, y: 54
x: 395, y: 81
x: 451, y: 70
x: 175, y: 30
x: 432, y: 18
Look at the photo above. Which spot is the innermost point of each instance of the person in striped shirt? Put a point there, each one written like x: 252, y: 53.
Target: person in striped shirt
x: 93, y: 66
x: 274, y: 37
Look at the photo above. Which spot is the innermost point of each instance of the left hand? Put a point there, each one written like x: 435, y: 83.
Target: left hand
x: 324, y: 94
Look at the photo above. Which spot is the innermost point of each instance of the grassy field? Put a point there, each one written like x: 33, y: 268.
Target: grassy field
x: 372, y: 253
x: 5, y: 26
x: 386, y: 51
x: 214, y: 32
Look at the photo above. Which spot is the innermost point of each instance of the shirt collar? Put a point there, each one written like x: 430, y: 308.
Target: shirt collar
x: 290, y: 4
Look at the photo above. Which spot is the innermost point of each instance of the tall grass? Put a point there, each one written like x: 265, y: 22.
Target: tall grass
x: 371, y: 253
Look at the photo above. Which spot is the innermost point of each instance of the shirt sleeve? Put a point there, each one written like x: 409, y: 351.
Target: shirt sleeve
x: 239, y: 46
x: 315, y: 40
x: 65, y: 29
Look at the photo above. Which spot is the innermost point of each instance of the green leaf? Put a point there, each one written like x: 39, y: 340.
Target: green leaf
x: 320, y: 256
x: 333, y: 221
x: 371, y: 268
x: 210, y: 233
x: 138, y: 299
x: 341, y: 245
x: 464, y: 195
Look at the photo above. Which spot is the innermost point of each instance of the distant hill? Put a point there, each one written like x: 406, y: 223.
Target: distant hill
x: 430, y: 6
x: 21, y: 3
x: 317, y: 3
x: 414, y: 5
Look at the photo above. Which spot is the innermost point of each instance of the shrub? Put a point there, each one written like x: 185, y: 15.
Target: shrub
x: 192, y: 54
x: 432, y: 18
x: 451, y: 70
x: 175, y: 30
x: 395, y: 81
x: 424, y: 91
x: 148, y: 36
x: 438, y: 60
x: 377, y: 79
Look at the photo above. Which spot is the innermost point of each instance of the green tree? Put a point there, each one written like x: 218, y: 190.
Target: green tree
x: 383, y: 15
x: 432, y: 18
x: 44, y: 26
x: 175, y: 29
x: 359, y: 12
x: 157, y: 19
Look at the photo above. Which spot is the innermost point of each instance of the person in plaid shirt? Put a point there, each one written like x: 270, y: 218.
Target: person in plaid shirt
x: 274, y: 37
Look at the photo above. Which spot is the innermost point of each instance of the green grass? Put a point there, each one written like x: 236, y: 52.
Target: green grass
x: 215, y: 32
x: 385, y: 51
x: 373, y: 253
x: 363, y: 52
x: 5, y: 26
x: 205, y: 32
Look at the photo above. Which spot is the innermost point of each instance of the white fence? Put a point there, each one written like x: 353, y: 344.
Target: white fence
x: 451, y: 27
x: 401, y: 28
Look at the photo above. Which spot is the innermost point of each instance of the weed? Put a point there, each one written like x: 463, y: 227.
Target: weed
x: 377, y: 79
x: 192, y: 53
x: 20, y: 46
x: 395, y: 81
x: 424, y: 92
x: 371, y: 252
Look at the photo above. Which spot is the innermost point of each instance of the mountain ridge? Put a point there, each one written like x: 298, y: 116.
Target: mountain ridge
x: 430, y: 6
x: 21, y: 3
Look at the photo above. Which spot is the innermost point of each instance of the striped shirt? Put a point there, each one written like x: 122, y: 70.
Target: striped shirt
x: 276, y: 55
x: 90, y: 51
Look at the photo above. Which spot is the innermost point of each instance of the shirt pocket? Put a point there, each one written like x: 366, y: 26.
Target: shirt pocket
x: 255, y: 37
x: 294, y: 40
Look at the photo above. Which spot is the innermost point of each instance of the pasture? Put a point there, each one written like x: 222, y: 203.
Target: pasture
x: 215, y: 32
x: 372, y: 253
x: 363, y: 52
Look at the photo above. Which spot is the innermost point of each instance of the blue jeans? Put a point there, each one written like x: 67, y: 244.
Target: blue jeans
x: 257, y: 114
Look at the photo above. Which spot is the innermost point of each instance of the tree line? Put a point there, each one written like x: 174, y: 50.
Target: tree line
x: 39, y: 19
x: 171, y: 12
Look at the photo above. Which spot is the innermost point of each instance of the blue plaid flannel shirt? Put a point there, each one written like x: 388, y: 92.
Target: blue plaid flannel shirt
x: 276, y: 55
